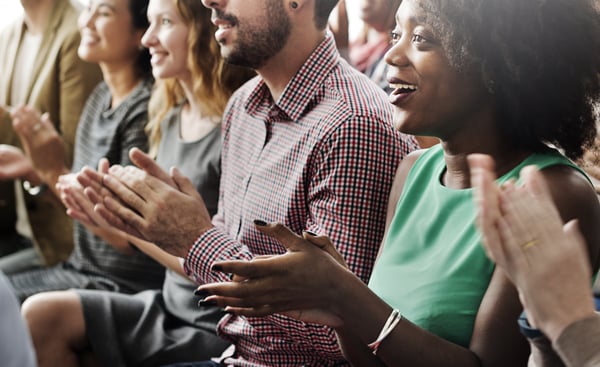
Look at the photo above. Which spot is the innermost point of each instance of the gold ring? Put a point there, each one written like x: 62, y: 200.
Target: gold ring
x: 529, y: 244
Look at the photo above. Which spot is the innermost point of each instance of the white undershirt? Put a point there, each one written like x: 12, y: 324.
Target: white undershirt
x: 23, y: 71
x: 22, y: 74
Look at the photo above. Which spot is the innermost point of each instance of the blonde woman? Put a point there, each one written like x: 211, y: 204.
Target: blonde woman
x: 154, y: 327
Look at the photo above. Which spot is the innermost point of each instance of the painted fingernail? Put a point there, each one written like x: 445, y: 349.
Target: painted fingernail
x: 201, y: 293
x: 311, y: 233
x: 204, y: 303
x: 216, y: 268
x: 260, y: 223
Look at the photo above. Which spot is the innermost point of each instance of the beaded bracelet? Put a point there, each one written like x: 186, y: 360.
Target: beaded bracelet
x: 389, y: 325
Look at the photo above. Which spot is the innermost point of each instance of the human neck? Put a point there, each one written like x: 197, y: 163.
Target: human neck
x: 121, y: 80
x: 458, y: 175
x: 37, y: 13
x: 482, y: 135
x: 281, y: 68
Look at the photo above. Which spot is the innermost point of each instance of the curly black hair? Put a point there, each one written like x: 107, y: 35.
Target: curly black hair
x: 539, y: 58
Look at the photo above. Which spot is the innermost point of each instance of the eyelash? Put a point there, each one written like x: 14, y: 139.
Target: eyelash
x: 417, y: 38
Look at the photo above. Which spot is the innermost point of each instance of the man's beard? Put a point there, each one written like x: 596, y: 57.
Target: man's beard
x: 257, y: 43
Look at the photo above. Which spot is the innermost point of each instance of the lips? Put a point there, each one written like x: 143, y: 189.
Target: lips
x: 402, y: 91
x: 157, y: 57
x: 88, y: 39
x: 223, y: 28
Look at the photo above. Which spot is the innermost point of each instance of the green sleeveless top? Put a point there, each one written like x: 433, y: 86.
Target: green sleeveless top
x: 433, y: 267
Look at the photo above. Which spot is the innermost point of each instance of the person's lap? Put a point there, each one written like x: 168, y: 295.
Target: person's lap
x: 140, y: 330
x: 56, y: 278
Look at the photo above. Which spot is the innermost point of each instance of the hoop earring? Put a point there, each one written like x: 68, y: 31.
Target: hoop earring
x: 294, y: 5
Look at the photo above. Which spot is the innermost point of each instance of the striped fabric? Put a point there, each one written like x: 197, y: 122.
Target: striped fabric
x: 322, y: 158
x: 110, y: 133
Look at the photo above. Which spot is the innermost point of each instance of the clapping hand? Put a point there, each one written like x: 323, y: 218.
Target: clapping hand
x: 300, y: 283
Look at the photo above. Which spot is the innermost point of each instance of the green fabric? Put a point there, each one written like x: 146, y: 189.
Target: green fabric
x: 433, y: 267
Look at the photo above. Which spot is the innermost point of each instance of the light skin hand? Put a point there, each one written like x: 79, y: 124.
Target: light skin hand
x: 553, y: 276
x: 300, y: 283
x: 148, y: 203
x: 41, y: 142
x: 78, y: 203
x: 14, y: 164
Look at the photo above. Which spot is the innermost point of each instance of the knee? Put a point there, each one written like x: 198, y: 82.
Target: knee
x: 53, y: 315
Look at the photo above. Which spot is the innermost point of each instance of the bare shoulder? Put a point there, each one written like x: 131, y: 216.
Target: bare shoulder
x: 398, y: 184
x: 576, y: 198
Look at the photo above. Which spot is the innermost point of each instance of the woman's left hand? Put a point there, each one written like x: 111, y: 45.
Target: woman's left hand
x: 41, y: 142
x: 14, y: 164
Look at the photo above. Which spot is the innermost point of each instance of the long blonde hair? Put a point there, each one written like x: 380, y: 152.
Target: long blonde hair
x: 213, y: 80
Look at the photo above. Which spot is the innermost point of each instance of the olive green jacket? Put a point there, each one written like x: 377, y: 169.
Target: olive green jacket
x: 60, y: 85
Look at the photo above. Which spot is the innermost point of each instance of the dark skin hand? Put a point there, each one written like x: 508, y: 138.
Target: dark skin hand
x: 264, y: 287
x: 308, y: 279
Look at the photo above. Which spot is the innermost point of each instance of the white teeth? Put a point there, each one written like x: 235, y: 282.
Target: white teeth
x: 403, y: 86
x: 224, y: 26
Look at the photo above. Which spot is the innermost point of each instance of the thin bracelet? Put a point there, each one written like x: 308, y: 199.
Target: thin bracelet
x: 389, y: 325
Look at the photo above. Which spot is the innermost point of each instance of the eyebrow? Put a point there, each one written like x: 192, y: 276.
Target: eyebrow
x: 106, y: 4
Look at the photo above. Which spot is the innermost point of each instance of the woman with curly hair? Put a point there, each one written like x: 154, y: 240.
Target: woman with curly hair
x: 154, y: 327
x: 516, y: 80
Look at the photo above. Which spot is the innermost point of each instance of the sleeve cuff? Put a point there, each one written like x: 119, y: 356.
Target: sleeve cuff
x: 577, y: 345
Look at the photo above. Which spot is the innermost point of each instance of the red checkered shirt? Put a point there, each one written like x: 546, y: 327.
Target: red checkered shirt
x: 322, y: 158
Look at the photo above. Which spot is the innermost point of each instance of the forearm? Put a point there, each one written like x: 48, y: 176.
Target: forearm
x: 211, y: 246
x: 407, y: 345
x: 115, y: 238
x: 162, y: 257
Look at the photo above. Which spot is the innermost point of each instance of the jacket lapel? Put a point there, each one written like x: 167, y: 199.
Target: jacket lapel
x: 47, y: 41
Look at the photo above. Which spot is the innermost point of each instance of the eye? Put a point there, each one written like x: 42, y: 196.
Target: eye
x: 165, y: 21
x: 394, y: 37
x: 417, y: 38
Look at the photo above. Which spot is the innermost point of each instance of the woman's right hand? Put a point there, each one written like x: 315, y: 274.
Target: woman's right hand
x: 14, y: 164
x: 301, y: 283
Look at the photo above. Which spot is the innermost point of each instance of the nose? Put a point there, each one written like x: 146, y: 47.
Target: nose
x: 398, y: 54
x: 85, y: 18
x: 214, y: 4
x: 149, y: 37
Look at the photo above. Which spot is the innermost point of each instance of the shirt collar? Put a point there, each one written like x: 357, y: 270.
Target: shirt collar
x: 302, y: 87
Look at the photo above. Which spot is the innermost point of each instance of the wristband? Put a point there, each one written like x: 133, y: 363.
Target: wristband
x: 389, y: 325
x: 34, y: 190
x: 526, y: 329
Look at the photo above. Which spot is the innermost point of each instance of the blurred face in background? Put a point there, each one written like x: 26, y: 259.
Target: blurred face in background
x: 107, y: 33
x: 167, y: 40
x: 378, y: 14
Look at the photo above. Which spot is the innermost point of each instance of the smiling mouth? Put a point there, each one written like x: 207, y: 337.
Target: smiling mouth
x: 403, y: 88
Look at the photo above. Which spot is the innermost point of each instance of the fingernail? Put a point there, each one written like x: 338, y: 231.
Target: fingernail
x: 201, y: 293
x: 203, y: 303
x: 216, y: 268
x: 260, y: 223
x: 311, y: 233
